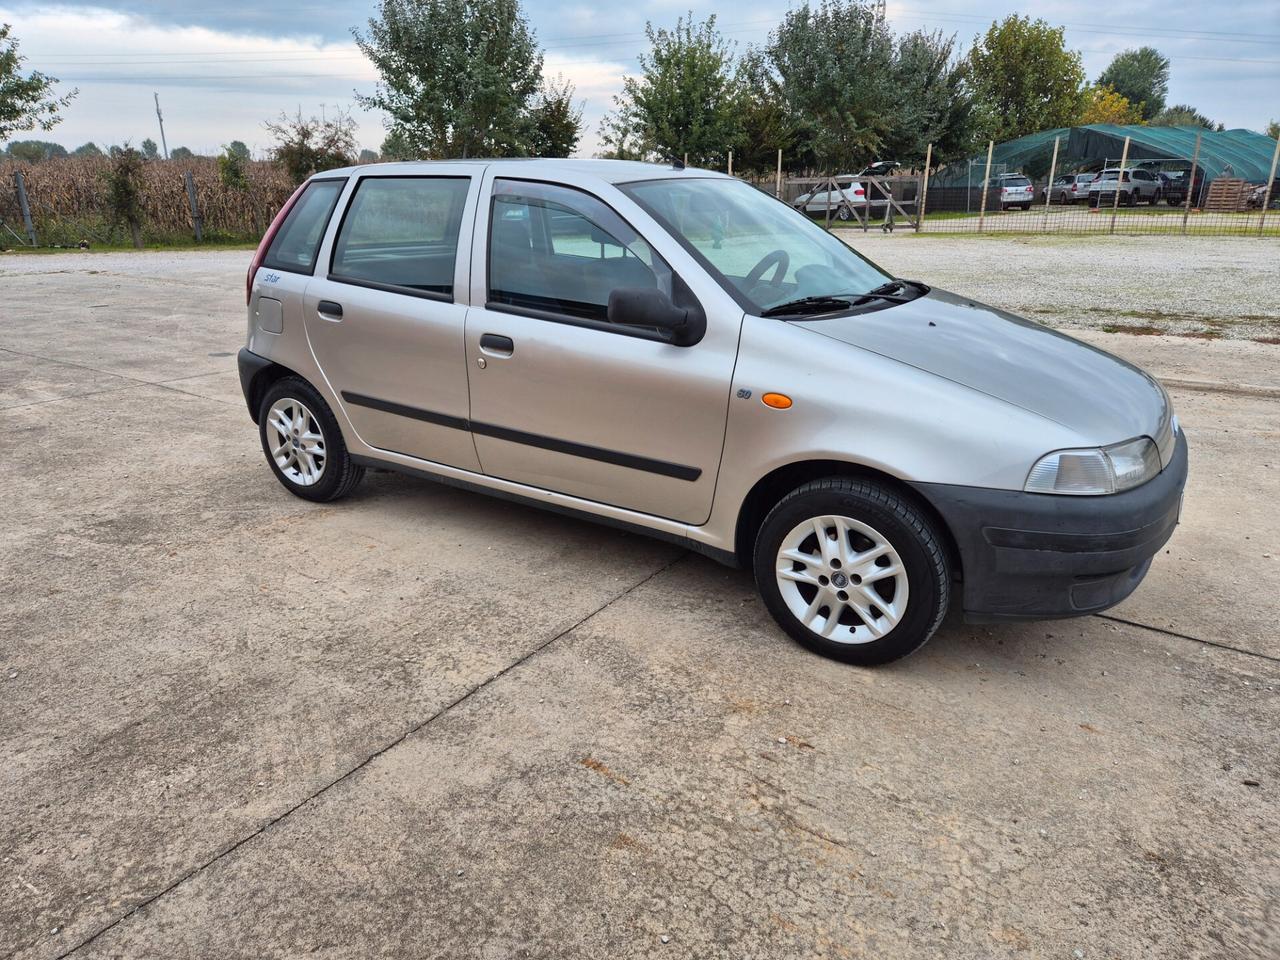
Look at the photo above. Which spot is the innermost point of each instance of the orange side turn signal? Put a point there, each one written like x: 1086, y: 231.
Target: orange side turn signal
x: 779, y: 401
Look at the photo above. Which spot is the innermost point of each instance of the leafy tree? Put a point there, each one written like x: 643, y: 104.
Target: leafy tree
x: 231, y: 168
x: 934, y: 103
x: 367, y: 156
x: 237, y: 148
x: 149, y: 149
x: 1104, y: 105
x: 26, y: 102
x: 89, y: 149
x: 557, y: 120
x: 33, y: 151
x: 1183, y: 115
x: 765, y: 125
x: 306, y: 146
x: 181, y: 153
x: 1272, y: 131
x: 124, y: 191
x: 682, y: 102
x: 395, y: 147
x: 1024, y: 79
x: 1140, y: 76
x: 458, y: 76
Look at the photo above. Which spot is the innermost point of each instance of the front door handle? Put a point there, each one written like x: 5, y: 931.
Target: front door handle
x: 497, y: 345
x: 329, y: 310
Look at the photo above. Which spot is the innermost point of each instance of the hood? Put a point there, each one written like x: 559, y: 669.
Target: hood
x: 1100, y: 396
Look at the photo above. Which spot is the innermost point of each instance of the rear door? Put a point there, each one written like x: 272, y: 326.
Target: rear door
x: 563, y: 400
x: 382, y: 320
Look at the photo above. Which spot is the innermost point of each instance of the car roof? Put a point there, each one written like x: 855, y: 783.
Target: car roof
x: 568, y: 170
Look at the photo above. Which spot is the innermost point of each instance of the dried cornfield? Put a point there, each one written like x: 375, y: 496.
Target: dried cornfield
x: 68, y: 200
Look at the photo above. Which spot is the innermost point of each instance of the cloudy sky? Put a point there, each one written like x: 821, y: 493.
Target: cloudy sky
x: 221, y: 68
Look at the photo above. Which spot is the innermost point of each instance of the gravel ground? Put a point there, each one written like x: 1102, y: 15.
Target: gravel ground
x: 1220, y: 288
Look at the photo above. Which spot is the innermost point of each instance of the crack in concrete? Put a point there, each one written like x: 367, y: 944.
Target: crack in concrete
x: 390, y: 745
x: 1187, y: 636
x: 133, y: 381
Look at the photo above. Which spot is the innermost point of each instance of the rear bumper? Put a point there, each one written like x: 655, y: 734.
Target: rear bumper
x: 250, y: 365
x: 1029, y: 556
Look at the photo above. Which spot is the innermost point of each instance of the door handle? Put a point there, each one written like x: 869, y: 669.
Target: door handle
x: 329, y: 310
x: 497, y: 345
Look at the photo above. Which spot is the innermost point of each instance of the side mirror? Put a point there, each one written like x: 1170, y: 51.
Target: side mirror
x: 650, y: 307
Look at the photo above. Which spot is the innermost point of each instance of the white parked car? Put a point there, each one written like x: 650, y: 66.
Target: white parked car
x: 818, y: 201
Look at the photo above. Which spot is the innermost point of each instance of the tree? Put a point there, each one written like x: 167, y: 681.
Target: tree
x: 367, y: 156
x: 34, y: 151
x: 1272, y: 131
x: 458, y: 76
x: 231, y: 167
x: 238, y: 149
x: 1140, y: 76
x: 1104, y: 105
x: 1024, y: 79
x: 395, y: 147
x: 683, y: 100
x: 124, y: 191
x: 89, y: 149
x: 557, y: 120
x: 935, y: 105
x: 26, y: 102
x: 181, y: 153
x: 1183, y: 115
x: 306, y: 146
x: 764, y: 124
x: 149, y: 149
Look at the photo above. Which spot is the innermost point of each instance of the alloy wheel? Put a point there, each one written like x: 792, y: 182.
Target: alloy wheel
x: 296, y: 441
x: 842, y: 579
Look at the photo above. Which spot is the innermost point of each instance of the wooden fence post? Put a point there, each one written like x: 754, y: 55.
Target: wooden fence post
x: 1048, y: 187
x: 924, y: 190
x: 1115, y: 203
x: 1191, y: 184
x: 197, y: 220
x: 1271, y: 179
x: 986, y: 182
x: 778, y: 191
x: 731, y: 163
x: 24, y: 206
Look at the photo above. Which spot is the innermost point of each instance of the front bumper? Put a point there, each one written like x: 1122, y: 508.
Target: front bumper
x: 1031, y: 556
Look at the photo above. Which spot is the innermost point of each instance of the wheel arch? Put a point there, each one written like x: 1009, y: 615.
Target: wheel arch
x: 773, y: 486
x: 260, y: 380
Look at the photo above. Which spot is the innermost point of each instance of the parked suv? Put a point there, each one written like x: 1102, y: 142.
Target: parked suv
x: 1070, y: 188
x: 1135, y: 185
x: 1015, y: 190
x: 676, y: 352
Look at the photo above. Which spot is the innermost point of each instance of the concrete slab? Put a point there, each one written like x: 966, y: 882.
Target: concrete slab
x: 673, y: 776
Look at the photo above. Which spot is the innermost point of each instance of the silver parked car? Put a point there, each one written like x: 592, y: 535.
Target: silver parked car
x: 675, y: 352
x: 1134, y: 184
x: 1069, y: 188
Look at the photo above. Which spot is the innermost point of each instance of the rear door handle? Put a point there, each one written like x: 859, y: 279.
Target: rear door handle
x: 497, y: 345
x: 329, y: 310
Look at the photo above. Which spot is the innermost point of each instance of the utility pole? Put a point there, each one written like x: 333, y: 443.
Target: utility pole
x: 160, y: 117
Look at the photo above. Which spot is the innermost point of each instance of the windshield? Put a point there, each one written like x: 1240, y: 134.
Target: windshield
x: 760, y: 250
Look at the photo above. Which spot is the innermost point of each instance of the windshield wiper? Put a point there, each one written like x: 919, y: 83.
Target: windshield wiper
x: 824, y: 304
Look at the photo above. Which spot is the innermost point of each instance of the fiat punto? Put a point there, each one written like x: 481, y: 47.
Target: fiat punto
x: 676, y: 352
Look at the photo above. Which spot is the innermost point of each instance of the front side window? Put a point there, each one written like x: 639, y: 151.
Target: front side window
x: 761, y: 251
x: 402, y: 233
x: 296, y: 243
x: 562, y: 251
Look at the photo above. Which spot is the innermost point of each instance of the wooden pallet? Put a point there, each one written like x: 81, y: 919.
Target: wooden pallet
x: 1226, y: 195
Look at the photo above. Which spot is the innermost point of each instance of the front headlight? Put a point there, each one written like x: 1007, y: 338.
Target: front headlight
x: 1102, y: 470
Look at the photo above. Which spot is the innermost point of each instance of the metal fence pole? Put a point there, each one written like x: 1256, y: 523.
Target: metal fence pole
x: 1191, y: 184
x: 1048, y: 187
x: 197, y: 221
x: 986, y: 182
x: 731, y: 163
x: 924, y: 190
x: 25, y: 207
x: 1266, y: 197
x: 778, y: 191
x: 1115, y: 201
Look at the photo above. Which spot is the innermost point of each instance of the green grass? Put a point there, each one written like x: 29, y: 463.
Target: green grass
x: 129, y: 248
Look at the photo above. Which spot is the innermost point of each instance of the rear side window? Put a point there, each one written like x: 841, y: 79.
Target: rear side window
x: 401, y: 233
x: 297, y: 242
x: 560, y: 250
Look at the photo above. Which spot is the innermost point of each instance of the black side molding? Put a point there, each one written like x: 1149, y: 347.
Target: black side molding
x: 586, y: 451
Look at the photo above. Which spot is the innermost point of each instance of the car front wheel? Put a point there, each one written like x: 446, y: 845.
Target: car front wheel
x: 303, y: 444
x: 852, y: 570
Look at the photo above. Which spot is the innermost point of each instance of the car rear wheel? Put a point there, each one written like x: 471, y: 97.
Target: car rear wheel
x: 1132, y: 198
x: 302, y: 442
x: 852, y: 570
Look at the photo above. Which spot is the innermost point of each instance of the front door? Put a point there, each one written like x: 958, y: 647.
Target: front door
x: 382, y: 321
x: 563, y: 400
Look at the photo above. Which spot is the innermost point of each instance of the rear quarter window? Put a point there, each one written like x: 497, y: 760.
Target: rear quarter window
x: 297, y: 242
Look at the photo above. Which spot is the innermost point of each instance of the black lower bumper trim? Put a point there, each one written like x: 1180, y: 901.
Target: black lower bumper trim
x: 1035, y: 556
x: 250, y: 365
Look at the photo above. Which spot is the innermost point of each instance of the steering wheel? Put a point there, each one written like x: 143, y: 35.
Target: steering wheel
x: 779, y: 257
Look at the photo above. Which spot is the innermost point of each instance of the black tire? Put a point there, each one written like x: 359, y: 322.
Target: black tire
x: 1093, y: 201
x: 1132, y: 199
x: 339, y: 475
x: 902, y: 524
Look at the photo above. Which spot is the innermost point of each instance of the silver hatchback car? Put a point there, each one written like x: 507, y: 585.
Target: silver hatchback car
x: 675, y: 352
